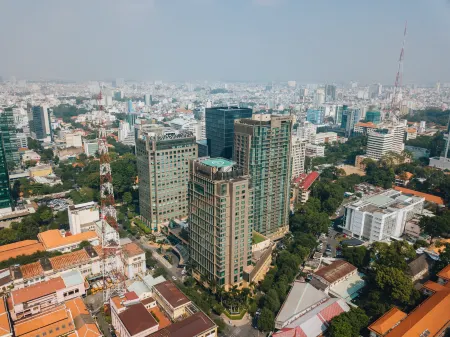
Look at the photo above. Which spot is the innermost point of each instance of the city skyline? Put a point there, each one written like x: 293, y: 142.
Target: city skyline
x: 248, y: 40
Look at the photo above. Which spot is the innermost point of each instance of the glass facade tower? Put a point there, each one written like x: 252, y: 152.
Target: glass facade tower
x: 220, y: 129
x: 5, y: 191
x: 262, y: 148
x: 10, y: 143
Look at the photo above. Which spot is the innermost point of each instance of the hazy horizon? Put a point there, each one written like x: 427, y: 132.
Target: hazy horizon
x: 232, y: 40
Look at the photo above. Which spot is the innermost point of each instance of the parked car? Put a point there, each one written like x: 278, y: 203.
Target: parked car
x: 174, y: 278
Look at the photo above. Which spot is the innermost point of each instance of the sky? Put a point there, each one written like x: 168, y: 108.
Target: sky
x: 310, y: 41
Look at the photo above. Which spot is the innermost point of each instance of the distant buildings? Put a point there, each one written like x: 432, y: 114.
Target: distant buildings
x: 315, y: 116
x: 330, y: 93
x: 262, y: 149
x: 298, y: 153
x: 220, y: 221
x: 220, y: 129
x: 381, y: 216
x: 163, y: 156
x: 324, y: 138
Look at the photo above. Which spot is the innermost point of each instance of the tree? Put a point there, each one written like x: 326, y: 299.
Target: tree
x: 435, y: 226
x: 127, y: 198
x: 395, y: 283
x: 348, y: 324
x: 266, y: 321
x: 160, y: 271
x: 46, y: 215
x: 271, y: 300
x: 84, y: 244
x: 357, y: 256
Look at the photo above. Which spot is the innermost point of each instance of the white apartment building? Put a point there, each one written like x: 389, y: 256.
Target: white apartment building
x: 323, y: 138
x: 82, y: 217
x: 378, y: 144
x: 306, y: 131
x: 312, y: 150
x: 298, y: 152
x: 381, y: 216
x: 22, y: 141
x: 73, y: 140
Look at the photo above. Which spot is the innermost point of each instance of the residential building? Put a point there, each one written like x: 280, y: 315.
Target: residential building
x: 324, y: 138
x: 82, y: 216
x: 9, y: 138
x: 40, y: 124
x: 163, y: 166
x: 134, y: 260
x: 219, y: 122
x: 262, y: 149
x: 171, y: 299
x: 306, y: 131
x: 381, y: 216
x: 301, y: 186
x: 220, y: 221
x: 298, y: 153
x: 5, y: 187
x: 430, y: 318
x: 379, y: 144
x: 307, y: 311
x: 90, y: 147
x: 43, y: 296
x: 22, y: 140
x: 313, y: 151
x: 54, y: 240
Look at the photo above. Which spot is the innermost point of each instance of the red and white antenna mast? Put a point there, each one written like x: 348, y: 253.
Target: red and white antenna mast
x: 397, y: 94
x: 112, y: 266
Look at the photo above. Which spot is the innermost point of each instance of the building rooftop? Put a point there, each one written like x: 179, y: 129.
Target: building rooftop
x: 217, y: 162
x: 137, y: 319
x: 85, y: 325
x: 25, y: 247
x: 445, y: 273
x: 301, y: 297
x: 73, y: 259
x: 385, y: 323
x: 426, y: 196
x: 132, y: 249
x: 37, y: 290
x: 31, y: 270
x: 5, y: 326
x: 54, y: 323
x: 309, y: 180
x: 72, y: 277
x: 172, y: 294
x: 53, y: 238
x: 335, y: 271
x: 192, y: 326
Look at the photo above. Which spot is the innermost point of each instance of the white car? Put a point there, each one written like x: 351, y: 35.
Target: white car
x: 174, y: 278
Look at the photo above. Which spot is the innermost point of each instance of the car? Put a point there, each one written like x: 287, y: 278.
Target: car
x: 174, y: 278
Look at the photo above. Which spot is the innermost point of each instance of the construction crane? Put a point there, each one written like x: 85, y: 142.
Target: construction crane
x: 112, y: 258
x: 397, y: 94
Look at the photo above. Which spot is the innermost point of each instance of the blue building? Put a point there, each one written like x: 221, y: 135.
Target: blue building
x: 130, y: 106
x: 315, y: 116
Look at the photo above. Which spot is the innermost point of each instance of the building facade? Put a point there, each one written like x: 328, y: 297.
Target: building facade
x: 10, y: 144
x: 40, y: 125
x: 262, y: 149
x: 220, y: 221
x: 5, y: 187
x: 163, y: 166
x: 219, y: 123
x: 298, y: 153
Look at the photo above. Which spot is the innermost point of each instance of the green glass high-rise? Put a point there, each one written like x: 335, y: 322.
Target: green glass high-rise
x: 5, y: 190
x: 10, y: 144
x: 373, y: 116
x: 262, y: 149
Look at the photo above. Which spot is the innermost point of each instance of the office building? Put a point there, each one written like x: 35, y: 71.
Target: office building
x: 5, y: 187
x: 220, y: 129
x: 202, y: 148
x: 348, y: 118
x: 388, y: 138
x: 381, y: 216
x: 148, y: 99
x: 262, y: 149
x: 324, y: 138
x: 330, y: 93
x: 298, y: 152
x: 373, y: 117
x: 315, y: 116
x: 163, y: 156
x: 90, y: 147
x: 40, y: 125
x: 9, y: 138
x: 220, y: 221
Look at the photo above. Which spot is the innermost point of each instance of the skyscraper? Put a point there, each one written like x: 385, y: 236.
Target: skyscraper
x: 163, y: 166
x: 330, y: 93
x: 373, y: 116
x: 298, y: 152
x: 40, y: 125
x: 262, y: 149
x: 220, y: 216
x: 148, y: 99
x: 10, y: 143
x: 349, y: 117
x: 220, y: 129
x: 5, y: 191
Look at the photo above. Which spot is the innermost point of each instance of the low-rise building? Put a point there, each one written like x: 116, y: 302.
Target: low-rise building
x: 381, y: 216
x: 196, y: 325
x: 315, y: 150
x: 301, y: 186
x: 171, y: 299
x: 134, y: 260
x: 335, y: 273
x: 324, y: 138
x: 40, y: 171
x: 419, y: 267
x: 54, y: 240
x: 25, y: 247
x: 82, y: 216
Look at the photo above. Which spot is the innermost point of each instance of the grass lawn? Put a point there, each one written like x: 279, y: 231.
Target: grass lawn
x: 257, y: 238
x: 235, y: 317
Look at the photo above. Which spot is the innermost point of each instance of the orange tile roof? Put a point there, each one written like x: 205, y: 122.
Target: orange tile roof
x: 69, y: 260
x: 5, y: 326
x: 386, y: 322
x: 431, y: 316
x: 411, y: 130
x: 433, y: 286
x: 55, y: 323
x: 37, y: 290
x: 445, y: 273
x: 32, y: 270
x: 26, y: 247
x: 131, y: 249
x: 117, y: 302
x: 86, y: 326
x: 428, y: 197
x: 53, y: 238
x: 441, y: 247
x: 366, y: 125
